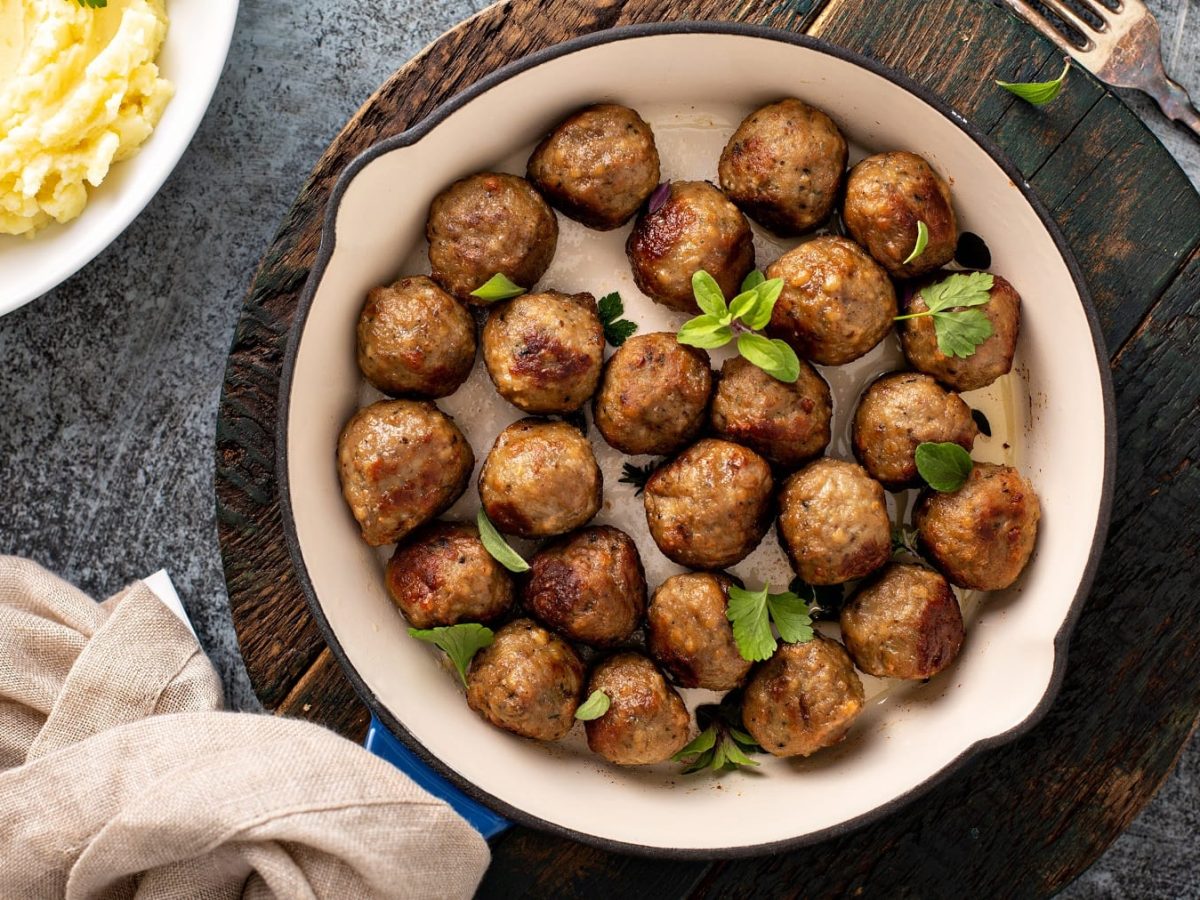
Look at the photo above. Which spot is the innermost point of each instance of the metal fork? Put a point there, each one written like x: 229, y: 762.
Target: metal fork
x: 1125, y: 50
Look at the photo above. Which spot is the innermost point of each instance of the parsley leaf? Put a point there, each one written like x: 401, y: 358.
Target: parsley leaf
x: 94, y: 4
x: 616, y: 329
x: 959, y: 333
x: 1038, y: 93
x: 637, y: 475
x: 498, y: 287
x: 791, y: 617
x: 752, y: 612
x: 593, y: 707
x: 959, y: 328
x: 721, y: 744
x: 460, y: 642
x: 945, y: 466
x: 773, y: 356
x: 495, y: 544
x: 921, y: 244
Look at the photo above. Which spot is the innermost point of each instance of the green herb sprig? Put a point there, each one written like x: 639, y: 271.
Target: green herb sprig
x: 1038, y: 93
x: 593, y: 707
x: 94, y: 4
x: 753, y: 612
x: 637, y: 476
x: 944, y: 467
x: 722, y: 745
x: 904, y: 542
x: 495, y: 544
x: 959, y: 327
x: 748, y: 312
x: 498, y: 287
x: 616, y: 329
x: 459, y: 642
x: 920, y: 245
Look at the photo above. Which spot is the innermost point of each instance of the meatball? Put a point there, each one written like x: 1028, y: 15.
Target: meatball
x: 836, y: 304
x: 696, y: 228
x: 415, y: 339
x: 803, y: 698
x: 991, y: 359
x: 834, y: 522
x: 544, y: 351
x: 886, y: 195
x: 487, y: 224
x: 527, y: 682
x: 898, y: 412
x: 711, y: 505
x: 540, y: 479
x: 784, y: 166
x: 646, y: 721
x: 689, y: 634
x: 653, y: 395
x: 789, y: 424
x: 443, y: 575
x: 981, y: 536
x: 904, y: 624
x: 401, y: 463
x: 589, y: 586
x: 598, y: 166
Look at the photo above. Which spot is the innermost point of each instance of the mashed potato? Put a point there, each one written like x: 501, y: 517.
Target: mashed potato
x: 79, y: 90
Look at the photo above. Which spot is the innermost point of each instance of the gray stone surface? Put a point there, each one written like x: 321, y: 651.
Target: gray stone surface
x: 110, y: 384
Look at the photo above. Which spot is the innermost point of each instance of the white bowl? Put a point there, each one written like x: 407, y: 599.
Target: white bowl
x: 192, y: 58
x: 694, y: 83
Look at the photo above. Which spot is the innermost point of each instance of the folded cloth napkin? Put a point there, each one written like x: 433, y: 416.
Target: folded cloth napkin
x: 119, y: 777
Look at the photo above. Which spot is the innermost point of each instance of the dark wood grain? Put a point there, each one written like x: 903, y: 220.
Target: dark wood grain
x: 1020, y: 820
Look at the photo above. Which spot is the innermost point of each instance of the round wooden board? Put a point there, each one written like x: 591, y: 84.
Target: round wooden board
x: 1023, y: 819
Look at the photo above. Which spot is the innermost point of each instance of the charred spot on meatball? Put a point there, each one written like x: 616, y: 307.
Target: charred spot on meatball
x: 646, y: 721
x: 443, y: 575
x: 588, y: 586
x: 788, y: 424
x: 803, y: 698
x: 837, y: 303
x: 653, y: 395
x: 402, y: 463
x: 540, y: 479
x: 833, y: 522
x: 544, y: 351
x: 904, y: 623
x: 886, y: 196
x: 528, y: 681
x: 689, y: 635
x: 784, y: 166
x: 711, y: 505
x: 899, y: 411
x: 415, y: 340
x: 696, y: 228
x: 489, y: 224
x: 991, y: 359
x: 982, y: 535
x: 598, y: 166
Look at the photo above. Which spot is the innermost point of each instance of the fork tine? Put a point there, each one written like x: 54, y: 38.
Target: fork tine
x: 1035, y: 18
x: 1068, y: 15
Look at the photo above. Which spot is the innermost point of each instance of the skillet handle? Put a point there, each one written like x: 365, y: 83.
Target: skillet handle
x: 386, y: 746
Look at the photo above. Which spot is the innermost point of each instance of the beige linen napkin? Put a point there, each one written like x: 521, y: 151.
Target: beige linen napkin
x: 120, y: 779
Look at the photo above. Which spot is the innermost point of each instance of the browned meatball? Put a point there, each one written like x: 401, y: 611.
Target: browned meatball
x: 784, y: 166
x: 544, y: 351
x: 711, y: 505
x: 402, y: 463
x: 837, y: 303
x: 443, y: 575
x: 598, y: 166
x: 415, y: 339
x: 886, y: 195
x: 653, y: 395
x: 646, y: 721
x: 689, y: 634
x: 834, y: 522
x: 981, y: 536
x: 990, y: 360
x: 527, y: 682
x: 487, y: 224
x: 589, y: 586
x: 789, y: 424
x: 696, y: 228
x: 540, y: 479
x: 904, y: 624
x: 803, y: 698
x: 898, y: 412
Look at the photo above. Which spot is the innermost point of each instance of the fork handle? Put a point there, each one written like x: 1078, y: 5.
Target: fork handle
x: 1174, y: 101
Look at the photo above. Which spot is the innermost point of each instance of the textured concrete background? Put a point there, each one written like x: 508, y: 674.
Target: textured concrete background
x: 109, y: 394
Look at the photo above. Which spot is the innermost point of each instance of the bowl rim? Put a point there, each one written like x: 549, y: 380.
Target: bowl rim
x: 419, y: 130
